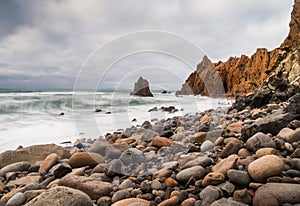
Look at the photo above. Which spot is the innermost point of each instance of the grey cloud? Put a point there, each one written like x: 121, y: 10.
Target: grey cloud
x: 50, y: 40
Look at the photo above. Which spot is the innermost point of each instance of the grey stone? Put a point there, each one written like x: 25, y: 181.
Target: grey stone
x: 258, y: 141
x: 239, y: 177
x: 16, y: 200
x: 196, y: 172
x: 210, y: 192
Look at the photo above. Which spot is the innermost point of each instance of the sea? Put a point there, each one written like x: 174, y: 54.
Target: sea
x: 30, y: 117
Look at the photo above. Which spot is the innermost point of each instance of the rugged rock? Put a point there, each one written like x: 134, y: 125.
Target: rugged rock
x: 242, y: 75
x: 141, y: 88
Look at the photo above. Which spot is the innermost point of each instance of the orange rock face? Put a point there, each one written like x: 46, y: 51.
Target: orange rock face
x: 242, y: 75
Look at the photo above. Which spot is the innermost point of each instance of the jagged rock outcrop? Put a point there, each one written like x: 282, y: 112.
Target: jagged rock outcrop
x: 242, y: 75
x: 141, y: 88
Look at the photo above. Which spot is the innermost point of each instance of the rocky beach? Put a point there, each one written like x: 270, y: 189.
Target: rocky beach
x: 247, y: 154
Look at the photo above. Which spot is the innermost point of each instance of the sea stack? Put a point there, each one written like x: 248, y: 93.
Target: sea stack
x: 141, y: 88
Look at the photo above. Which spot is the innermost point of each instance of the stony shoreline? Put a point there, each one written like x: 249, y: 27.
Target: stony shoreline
x: 248, y: 155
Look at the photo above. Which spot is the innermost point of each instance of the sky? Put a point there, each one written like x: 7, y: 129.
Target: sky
x: 109, y: 43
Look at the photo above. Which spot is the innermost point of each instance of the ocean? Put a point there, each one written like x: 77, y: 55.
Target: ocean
x: 29, y: 117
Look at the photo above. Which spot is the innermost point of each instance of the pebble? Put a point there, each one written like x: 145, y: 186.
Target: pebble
x: 93, y: 187
x: 206, y: 146
x: 173, y: 201
x: 82, y: 159
x: 225, y: 164
x: 161, y: 142
x: 48, y: 162
x: 104, y: 201
x: 16, y: 200
x: 285, y: 133
x: 259, y: 140
x: 188, y: 202
x: 295, y: 137
x: 231, y: 148
x: 196, y: 172
x: 210, y: 192
x: 213, y: 178
x: 266, y: 151
x: 265, y: 167
x: 14, y: 167
x: 239, y: 177
x: 224, y: 201
x: 242, y: 196
x: 120, y: 195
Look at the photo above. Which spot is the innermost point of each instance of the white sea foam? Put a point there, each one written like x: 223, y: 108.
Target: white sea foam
x: 33, y: 117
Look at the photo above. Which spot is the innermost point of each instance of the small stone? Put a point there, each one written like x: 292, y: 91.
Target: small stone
x: 259, y: 140
x: 235, y: 127
x: 132, y: 201
x: 266, y: 151
x: 296, y: 153
x: 127, y: 184
x: 265, y: 167
x: 295, y: 137
x: 196, y: 172
x: 104, y: 201
x: 224, y: 201
x: 94, y: 187
x: 285, y: 133
x: 239, y: 177
x: 170, y: 182
x: 295, y: 163
x: 157, y: 185
x: 188, y: 202
x: 243, y: 153
x: 14, y: 167
x: 173, y: 201
x: 16, y: 200
x: 231, y: 148
x: 60, y: 170
x: 206, y: 146
x: 82, y: 159
x: 225, y: 164
x: 120, y: 195
x: 164, y: 172
x: 213, y: 178
x: 227, y: 187
x: 48, y: 162
x: 132, y: 155
x: 210, y: 192
x: 25, y: 181
x: 242, y: 196
x: 203, y: 161
x: 61, y: 196
x: 161, y: 142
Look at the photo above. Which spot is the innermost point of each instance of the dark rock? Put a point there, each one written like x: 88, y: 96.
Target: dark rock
x: 98, y: 110
x: 141, y: 88
x: 231, y: 148
x: 239, y: 177
x: 60, y: 170
x: 154, y: 109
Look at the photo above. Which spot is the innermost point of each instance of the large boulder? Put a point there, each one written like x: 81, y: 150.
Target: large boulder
x: 61, y: 196
x: 32, y: 154
x: 141, y: 88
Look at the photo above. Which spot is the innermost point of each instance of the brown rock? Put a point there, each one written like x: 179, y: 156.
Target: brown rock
x: 32, y: 154
x: 164, y: 172
x: 170, y: 182
x: 242, y: 196
x: 30, y: 194
x: 173, y: 201
x: 213, y: 178
x: 94, y: 187
x: 200, y: 137
x: 285, y: 133
x: 132, y: 201
x: 48, y: 162
x: 259, y: 140
x: 225, y: 164
x: 25, y: 180
x: 265, y: 167
x: 266, y: 151
x: 161, y: 142
x: 188, y: 202
x: 235, y: 127
x: 232, y: 147
x: 82, y: 159
x: 196, y: 172
x: 141, y: 88
x: 294, y: 137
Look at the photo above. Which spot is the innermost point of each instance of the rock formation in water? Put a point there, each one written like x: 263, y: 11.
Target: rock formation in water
x: 141, y: 88
x: 242, y: 75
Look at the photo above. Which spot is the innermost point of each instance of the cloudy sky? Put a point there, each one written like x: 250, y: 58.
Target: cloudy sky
x: 48, y: 44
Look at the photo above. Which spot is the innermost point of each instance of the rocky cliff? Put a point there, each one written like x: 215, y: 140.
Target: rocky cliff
x: 141, y: 88
x: 242, y: 75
